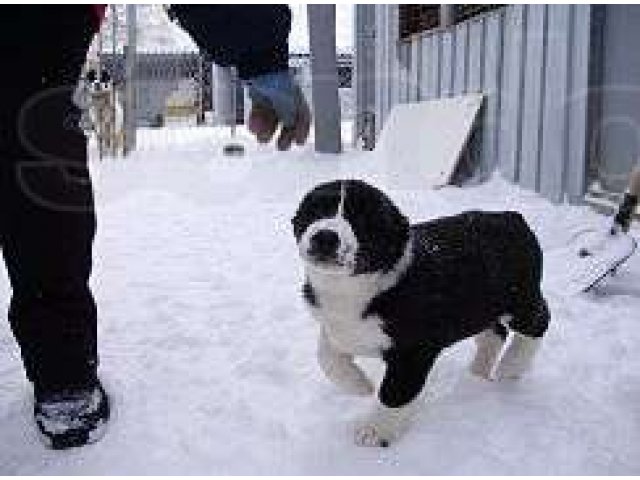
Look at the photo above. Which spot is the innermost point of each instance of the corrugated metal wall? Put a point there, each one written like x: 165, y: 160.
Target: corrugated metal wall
x: 531, y: 61
x: 616, y: 134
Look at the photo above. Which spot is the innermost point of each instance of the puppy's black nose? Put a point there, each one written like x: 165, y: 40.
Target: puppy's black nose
x: 324, y: 243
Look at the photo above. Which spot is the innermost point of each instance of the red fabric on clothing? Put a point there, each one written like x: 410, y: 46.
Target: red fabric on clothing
x: 98, y: 12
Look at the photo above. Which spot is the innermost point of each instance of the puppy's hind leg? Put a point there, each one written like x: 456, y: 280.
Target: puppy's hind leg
x: 489, y: 344
x: 528, y: 329
x: 340, y: 368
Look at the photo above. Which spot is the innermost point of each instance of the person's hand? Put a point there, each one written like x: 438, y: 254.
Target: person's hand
x: 278, y: 100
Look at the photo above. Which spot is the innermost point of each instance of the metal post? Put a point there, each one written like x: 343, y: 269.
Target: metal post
x: 130, y: 83
x: 447, y: 14
x: 364, y: 75
x: 225, y: 88
x: 114, y: 51
x: 200, y: 119
x: 222, y: 86
x: 324, y: 78
x: 99, y: 75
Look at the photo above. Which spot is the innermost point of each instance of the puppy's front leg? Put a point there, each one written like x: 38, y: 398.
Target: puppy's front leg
x: 340, y: 368
x: 398, y: 397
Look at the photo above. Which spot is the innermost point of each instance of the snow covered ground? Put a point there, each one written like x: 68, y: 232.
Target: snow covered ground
x: 209, y: 354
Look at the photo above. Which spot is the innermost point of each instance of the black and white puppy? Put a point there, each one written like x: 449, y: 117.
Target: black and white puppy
x: 381, y: 287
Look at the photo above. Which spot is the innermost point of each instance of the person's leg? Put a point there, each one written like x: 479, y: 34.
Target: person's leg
x: 48, y: 219
x: 47, y: 250
x: 623, y: 216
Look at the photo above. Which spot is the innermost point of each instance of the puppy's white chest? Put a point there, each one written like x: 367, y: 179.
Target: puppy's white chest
x: 341, y: 319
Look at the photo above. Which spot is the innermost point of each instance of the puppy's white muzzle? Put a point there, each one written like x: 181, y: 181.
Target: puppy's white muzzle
x: 344, y: 258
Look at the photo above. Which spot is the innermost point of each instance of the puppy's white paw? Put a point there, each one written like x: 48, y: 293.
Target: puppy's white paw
x: 481, y: 368
x: 383, y: 425
x: 509, y: 371
x: 372, y: 435
x: 517, y: 358
x: 489, y: 346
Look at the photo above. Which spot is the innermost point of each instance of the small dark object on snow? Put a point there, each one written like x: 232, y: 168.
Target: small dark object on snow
x: 233, y: 150
x: 583, y: 252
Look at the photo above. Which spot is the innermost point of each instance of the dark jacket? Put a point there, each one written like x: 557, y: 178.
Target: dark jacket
x: 252, y: 37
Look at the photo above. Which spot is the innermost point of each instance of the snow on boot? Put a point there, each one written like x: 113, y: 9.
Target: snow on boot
x: 71, y: 418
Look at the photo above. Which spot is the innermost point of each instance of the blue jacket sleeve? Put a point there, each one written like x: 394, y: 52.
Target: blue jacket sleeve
x: 254, y: 38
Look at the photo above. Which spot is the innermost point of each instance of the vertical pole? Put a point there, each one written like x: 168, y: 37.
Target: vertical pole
x: 130, y: 83
x: 200, y: 74
x: 447, y: 13
x: 358, y: 84
x: 234, y: 98
x: 114, y: 51
x: 99, y: 76
x: 324, y: 78
x: 223, y: 91
x: 364, y: 75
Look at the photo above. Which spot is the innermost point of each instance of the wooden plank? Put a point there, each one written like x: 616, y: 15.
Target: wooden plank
x: 422, y: 143
x: 575, y: 185
x: 554, y: 118
x: 492, y: 80
x: 511, y: 99
x: 533, y: 97
x: 461, y: 47
x: 447, y: 60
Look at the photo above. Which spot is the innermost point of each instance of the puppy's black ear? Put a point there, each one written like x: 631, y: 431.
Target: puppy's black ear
x: 396, y: 228
x: 401, y: 225
x: 296, y: 223
x: 405, y: 225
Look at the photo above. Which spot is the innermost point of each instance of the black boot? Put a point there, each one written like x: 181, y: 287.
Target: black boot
x: 72, y: 417
x: 622, y: 219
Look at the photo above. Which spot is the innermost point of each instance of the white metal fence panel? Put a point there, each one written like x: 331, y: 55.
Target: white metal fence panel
x: 532, y: 64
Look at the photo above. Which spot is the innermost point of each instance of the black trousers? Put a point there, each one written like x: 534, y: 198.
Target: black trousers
x: 47, y: 219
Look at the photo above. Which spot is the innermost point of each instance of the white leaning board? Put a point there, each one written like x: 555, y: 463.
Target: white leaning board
x: 422, y: 143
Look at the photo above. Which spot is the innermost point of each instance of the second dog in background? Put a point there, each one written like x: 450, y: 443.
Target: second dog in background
x: 105, y: 112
